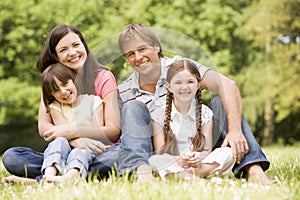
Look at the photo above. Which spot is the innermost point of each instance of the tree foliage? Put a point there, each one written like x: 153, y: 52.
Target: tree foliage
x: 272, y: 77
x: 246, y: 40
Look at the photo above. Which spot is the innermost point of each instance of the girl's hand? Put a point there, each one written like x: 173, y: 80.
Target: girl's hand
x: 93, y: 146
x: 193, y: 159
x: 183, y: 161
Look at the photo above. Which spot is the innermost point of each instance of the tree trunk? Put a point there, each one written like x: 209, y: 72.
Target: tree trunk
x: 268, y: 133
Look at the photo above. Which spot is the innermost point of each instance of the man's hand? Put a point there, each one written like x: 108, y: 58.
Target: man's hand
x: 238, y: 144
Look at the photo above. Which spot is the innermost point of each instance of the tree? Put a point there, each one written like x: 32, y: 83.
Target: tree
x: 274, y: 26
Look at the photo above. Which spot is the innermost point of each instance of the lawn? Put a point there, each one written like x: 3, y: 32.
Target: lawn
x: 285, y: 164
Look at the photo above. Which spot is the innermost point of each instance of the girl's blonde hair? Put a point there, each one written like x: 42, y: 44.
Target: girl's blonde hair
x: 171, y: 145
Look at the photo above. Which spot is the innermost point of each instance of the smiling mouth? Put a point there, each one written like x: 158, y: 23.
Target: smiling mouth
x: 185, y: 93
x: 143, y: 64
x: 75, y: 59
x: 67, y: 97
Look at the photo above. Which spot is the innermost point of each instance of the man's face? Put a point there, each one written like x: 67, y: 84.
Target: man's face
x: 141, y: 56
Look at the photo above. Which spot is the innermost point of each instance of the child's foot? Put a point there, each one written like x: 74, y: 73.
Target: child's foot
x: 184, y: 175
x: 54, y: 179
x: 72, y: 176
x: 18, y: 180
x: 144, y: 174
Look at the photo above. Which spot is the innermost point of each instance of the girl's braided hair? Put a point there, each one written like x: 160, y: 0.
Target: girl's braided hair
x: 171, y: 145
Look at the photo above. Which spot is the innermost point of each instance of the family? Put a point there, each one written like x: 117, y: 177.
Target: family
x: 154, y: 121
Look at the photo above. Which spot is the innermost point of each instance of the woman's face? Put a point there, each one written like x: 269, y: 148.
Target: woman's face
x: 71, y: 51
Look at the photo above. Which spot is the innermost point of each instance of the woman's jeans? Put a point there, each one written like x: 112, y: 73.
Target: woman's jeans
x: 135, y: 148
x: 136, y: 145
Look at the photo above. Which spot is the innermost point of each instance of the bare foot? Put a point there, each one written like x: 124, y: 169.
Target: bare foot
x: 70, y: 177
x: 256, y: 174
x: 54, y: 179
x: 187, y: 175
x: 205, y: 169
x: 18, y: 180
x: 144, y: 174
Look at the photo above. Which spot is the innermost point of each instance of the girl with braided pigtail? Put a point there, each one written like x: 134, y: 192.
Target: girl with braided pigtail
x: 183, y: 142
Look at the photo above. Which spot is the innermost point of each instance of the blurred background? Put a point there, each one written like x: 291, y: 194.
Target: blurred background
x: 256, y: 43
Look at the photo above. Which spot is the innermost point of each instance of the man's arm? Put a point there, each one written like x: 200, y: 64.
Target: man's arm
x: 231, y: 99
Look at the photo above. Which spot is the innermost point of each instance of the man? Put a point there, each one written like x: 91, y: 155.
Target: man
x: 143, y: 51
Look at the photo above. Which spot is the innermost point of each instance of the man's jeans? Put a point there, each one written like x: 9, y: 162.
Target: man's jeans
x: 220, y: 129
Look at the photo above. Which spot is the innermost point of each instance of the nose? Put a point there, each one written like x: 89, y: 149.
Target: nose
x: 138, y: 55
x: 184, y: 86
x: 72, y: 51
x: 63, y: 90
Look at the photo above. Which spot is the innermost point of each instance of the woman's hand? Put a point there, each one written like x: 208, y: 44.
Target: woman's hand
x: 66, y: 130
x: 93, y: 146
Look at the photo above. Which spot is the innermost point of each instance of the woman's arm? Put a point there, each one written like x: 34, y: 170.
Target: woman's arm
x: 110, y: 132
x: 44, y: 120
x: 107, y: 134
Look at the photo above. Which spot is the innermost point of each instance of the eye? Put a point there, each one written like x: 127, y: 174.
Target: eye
x: 62, y: 50
x: 143, y: 49
x: 129, y: 54
x: 64, y: 84
x: 76, y: 44
x: 55, y: 90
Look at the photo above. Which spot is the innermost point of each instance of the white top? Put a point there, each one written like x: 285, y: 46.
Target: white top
x: 82, y: 114
x: 184, y: 127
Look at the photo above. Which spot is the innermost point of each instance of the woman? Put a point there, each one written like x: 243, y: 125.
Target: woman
x: 65, y: 44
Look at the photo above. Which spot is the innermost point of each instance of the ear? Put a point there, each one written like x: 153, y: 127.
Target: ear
x: 157, y: 49
x: 168, y: 87
x: 199, y: 84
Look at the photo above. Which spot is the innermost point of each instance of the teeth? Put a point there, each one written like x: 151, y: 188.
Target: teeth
x: 66, y: 97
x: 75, y: 59
x: 141, y: 65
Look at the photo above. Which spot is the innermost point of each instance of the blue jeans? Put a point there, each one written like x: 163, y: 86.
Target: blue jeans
x: 136, y: 138
x: 134, y: 150
x: 220, y: 129
x: 25, y: 162
x: 61, y: 153
x: 136, y: 145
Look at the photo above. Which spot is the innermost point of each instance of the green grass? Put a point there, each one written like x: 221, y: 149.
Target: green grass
x: 285, y: 164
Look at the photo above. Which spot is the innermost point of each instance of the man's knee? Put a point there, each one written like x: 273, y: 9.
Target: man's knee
x: 135, y: 110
